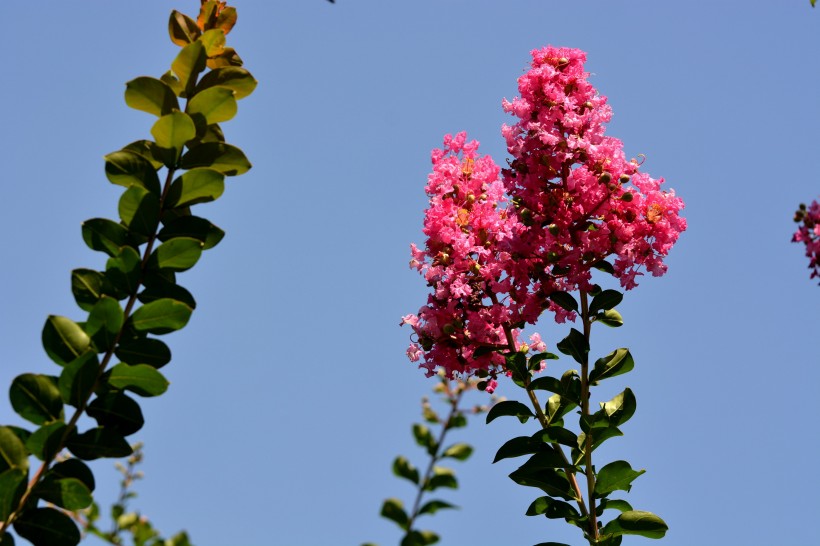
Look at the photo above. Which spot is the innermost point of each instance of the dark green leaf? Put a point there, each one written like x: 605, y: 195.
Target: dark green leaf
x: 128, y: 169
x: 141, y: 379
x: 74, y: 468
x: 213, y: 105
x: 509, y: 407
x: 620, y: 408
x: 615, y: 363
x: 517, y: 364
x: 553, y: 509
x: 614, y: 476
x: 46, y: 441
x: 604, y: 266
x: 117, y: 412
x: 139, y: 211
x: 98, y: 442
x: 47, y: 527
x: 565, y: 300
x: 20, y: 432
x: 552, y: 482
x: 64, y: 340
x: 173, y: 82
x: 637, y: 522
x: 182, y: 29
x: 150, y: 95
x: 88, y: 286
x: 557, y: 406
x: 556, y: 435
x: 195, y: 227
x: 393, y: 509
x: 196, y: 186
x: 403, y: 469
x: 149, y: 151
x: 13, y: 453
x: 161, y: 316
x: 522, y: 445
x: 6, y: 539
x: 68, y: 493
x: 424, y: 438
x: 36, y: 398
x: 442, y: 477
x: 544, y: 459
x: 536, y: 359
x: 188, y: 64
x: 104, y: 323
x: 611, y: 318
x: 173, y: 130
x: 239, y: 80
x: 612, y: 504
x: 123, y: 270
x: 157, y: 288
x: 459, y: 452
x: 12, y: 487
x: 104, y: 235
x: 178, y: 254
x: 434, y: 506
x: 457, y: 420
x: 419, y: 538
x: 227, y: 159
x: 604, y: 301
x: 551, y: 544
x: 575, y: 345
x: 546, y: 383
x: 212, y: 133
x: 152, y: 352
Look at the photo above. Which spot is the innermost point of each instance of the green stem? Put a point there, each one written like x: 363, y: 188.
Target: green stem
x: 72, y: 423
x: 454, y: 399
x: 590, y: 471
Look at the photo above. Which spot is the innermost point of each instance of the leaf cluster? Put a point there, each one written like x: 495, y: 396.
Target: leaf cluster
x: 113, y: 354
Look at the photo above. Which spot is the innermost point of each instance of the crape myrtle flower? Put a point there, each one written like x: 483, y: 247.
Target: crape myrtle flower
x: 809, y: 234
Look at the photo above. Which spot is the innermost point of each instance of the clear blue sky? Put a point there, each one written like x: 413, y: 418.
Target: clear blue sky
x: 290, y: 391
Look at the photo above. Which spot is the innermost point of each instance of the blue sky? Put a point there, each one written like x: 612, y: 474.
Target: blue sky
x: 290, y: 391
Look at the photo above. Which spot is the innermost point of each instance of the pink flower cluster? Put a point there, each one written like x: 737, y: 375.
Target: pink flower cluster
x: 809, y: 234
x: 497, y: 247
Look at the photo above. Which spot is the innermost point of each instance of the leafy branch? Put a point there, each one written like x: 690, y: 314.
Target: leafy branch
x: 155, y: 238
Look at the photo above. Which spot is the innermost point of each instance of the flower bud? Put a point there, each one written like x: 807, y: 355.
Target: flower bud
x: 553, y: 229
x: 552, y: 257
x: 626, y: 197
x: 624, y: 178
x: 526, y: 216
x: 475, y: 267
x: 562, y: 62
x: 470, y: 198
x: 605, y: 178
x: 449, y: 329
x: 524, y: 348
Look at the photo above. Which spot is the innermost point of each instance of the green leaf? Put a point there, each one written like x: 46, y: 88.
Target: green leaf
x: 615, y: 363
x: 196, y: 186
x: 150, y: 95
x: 152, y: 352
x: 36, y: 398
x: 63, y: 339
x: 557, y: 406
x: 139, y: 211
x: 12, y: 487
x: 13, y: 453
x: 551, y: 508
x: 433, y: 506
x: 221, y: 157
x: 424, y: 438
x: 522, y: 445
x: 74, y: 468
x: 214, y: 41
x: 403, y: 469
x: 536, y: 359
x: 178, y: 254
x: 552, y: 482
x: 126, y: 168
x: 148, y: 150
x: 161, y: 316
x: 556, y: 435
x: 172, y: 131
x: 104, y: 323
x: 46, y: 441
x: 442, y: 477
x: 510, y: 407
x: 68, y: 493
x: 393, y: 509
x: 104, y: 235
x: 238, y: 80
x: 213, y: 105
x: 637, y: 522
x: 123, y: 270
x: 141, y: 379
x: 575, y: 345
x: 621, y: 408
x: 611, y: 318
x: 188, y: 64
x: 546, y: 383
x: 617, y: 475
x: 542, y: 460
x: 117, y: 412
x: 419, y: 538
x: 182, y: 29
x: 612, y: 504
x: 517, y: 364
x: 460, y: 452
x: 47, y: 527
x: 157, y: 288
x: 194, y: 227
x: 552, y: 544
x: 88, y: 286
x: 604, y: 301
x: 173, y: 82
x: 565, y: 300
x: 98, y: 442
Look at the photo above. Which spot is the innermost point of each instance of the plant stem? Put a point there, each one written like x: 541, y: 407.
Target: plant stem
x: 590, y: 471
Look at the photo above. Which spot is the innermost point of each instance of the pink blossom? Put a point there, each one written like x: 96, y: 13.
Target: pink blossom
x: 536, y: 344
x: 809, y: 234
x: 414, y: 352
